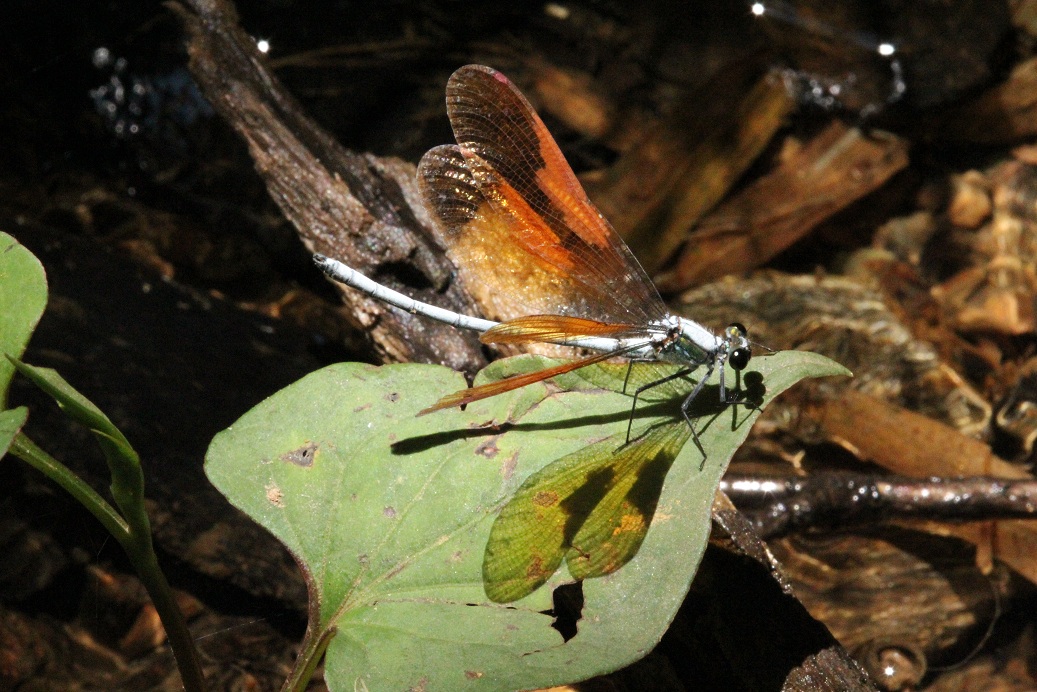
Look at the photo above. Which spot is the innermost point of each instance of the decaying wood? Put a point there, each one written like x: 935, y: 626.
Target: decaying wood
x: 1006, y: 113
x: 851, y: 323
x: 360, y: 209
x: 898, y: 586
x: 995, y: 286
x: 831, y: 668
x: 905, y: 442
x: 919, y: 586
x: 913, y: 445
x: 739, y: 624
x: 685, y: 164
x: 837, y: 167
x: 571, y: 97
x: 745, y: 536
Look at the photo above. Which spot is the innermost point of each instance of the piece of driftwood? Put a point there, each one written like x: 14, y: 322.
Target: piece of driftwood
x: 1003, y: 114
x: 684, y: 164
x: 994, y: 288
x: 831, y: 667
x: 896, y: 586
x: 834, y: 169
x: 906, y: 442
x: 361, y: 209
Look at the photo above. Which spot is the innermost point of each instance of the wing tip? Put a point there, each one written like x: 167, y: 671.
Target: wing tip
x: 449, y: 401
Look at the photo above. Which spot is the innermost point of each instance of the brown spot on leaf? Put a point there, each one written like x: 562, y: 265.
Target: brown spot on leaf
x: 535, y: 570
x: 473, y: 674
x: 389, y: 512
x: 630, y: 523
x: 303, y: 456
x: 508, y: 467
x: 274, y: 495
x: 488, y: 448
x: 545, y: 498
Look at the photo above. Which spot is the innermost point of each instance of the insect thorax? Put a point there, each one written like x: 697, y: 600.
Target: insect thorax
x: 688, y: 342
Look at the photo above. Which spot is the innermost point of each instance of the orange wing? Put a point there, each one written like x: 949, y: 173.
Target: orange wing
x: 554, y: 329
x: 517, y: 223
x: 485, y: 391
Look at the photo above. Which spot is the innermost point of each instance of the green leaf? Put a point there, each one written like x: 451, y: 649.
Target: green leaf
x: 389, y: 515
x: 23, y: 297
x: 11, y: 422
x: 132, y: 528
x: 74, y: 404
x: 123, y: 462
x: 594, y: 507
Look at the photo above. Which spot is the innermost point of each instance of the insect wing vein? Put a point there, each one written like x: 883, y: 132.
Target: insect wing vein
x: 535, y: 203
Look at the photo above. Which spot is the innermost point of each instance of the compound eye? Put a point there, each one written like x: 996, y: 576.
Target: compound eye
x: 739, y: 358
x: 738, y: 327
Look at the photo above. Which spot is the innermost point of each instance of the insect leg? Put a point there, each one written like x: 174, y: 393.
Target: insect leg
x: 691, y: 397
x: 645, y: 387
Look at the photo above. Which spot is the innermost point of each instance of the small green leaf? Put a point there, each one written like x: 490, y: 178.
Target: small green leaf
x: 390, y: 515
x: 11, y: 422
x: 77, y: 406
x: 123, y: 462
x: 23, y: 297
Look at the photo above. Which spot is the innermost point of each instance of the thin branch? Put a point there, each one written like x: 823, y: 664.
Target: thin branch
x: 778, y: 506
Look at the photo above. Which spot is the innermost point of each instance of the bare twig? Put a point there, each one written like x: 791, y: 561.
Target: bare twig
x: 778, y: 506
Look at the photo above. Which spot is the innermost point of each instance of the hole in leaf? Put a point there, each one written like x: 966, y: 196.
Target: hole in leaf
x: 568, y: 609
x: 303, y: 456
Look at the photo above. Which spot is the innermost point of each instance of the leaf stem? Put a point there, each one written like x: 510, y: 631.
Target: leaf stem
x: 27, y: 450
x: 311, y: 654
x: 136, y: 541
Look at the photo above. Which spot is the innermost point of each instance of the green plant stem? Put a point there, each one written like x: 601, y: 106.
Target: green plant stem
x: 312, y: 651
x: 27, y: 450
x: 177, y: 633
x: 138, y: 548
